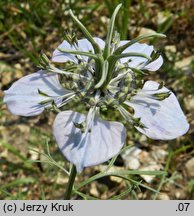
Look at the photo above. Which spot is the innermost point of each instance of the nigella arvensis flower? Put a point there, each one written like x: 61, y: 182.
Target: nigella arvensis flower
x: 100, y: 75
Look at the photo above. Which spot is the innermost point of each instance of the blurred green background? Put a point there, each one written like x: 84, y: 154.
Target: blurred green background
x: 29, y: 27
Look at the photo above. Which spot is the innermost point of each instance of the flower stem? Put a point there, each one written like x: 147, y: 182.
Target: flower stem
x: 70, y: 183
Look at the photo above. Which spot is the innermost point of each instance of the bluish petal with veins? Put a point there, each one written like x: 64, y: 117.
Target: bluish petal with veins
x: 83, y: 45
x: 23, y: 98
x: 105, y: 139
x: 164, y: 119
x: 139, y: 62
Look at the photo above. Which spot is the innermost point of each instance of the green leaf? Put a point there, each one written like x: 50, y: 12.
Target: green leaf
x: 112, y: 161
x: 124, y: 193
x: 163, y: 179
x: 120, y: 174
x: 13, y: 150
x: 17, y: 182
x: 84, y: 196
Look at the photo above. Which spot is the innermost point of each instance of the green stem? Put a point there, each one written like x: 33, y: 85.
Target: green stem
x: 70, y: 183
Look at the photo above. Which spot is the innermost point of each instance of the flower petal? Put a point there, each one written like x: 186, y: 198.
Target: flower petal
x: 155, y: 65
x: 103, y: 142
x: 22, y: 98
x: 164, y: 119
x: 140, y: 61
x: 83, y: 45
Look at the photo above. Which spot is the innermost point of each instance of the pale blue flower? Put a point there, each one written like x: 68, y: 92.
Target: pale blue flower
x: 99, y: 75
x: 163, y: 119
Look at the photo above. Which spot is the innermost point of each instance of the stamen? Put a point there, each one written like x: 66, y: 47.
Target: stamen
x: 155, y: 96
x: 71, y: 38
x: 119, y: 77
x: 128, y: 117
x: 51, y: 99
x: 67, y: 101
x: 46, y: 65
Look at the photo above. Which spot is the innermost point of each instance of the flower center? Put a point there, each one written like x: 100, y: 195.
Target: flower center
x: 113, y: 94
